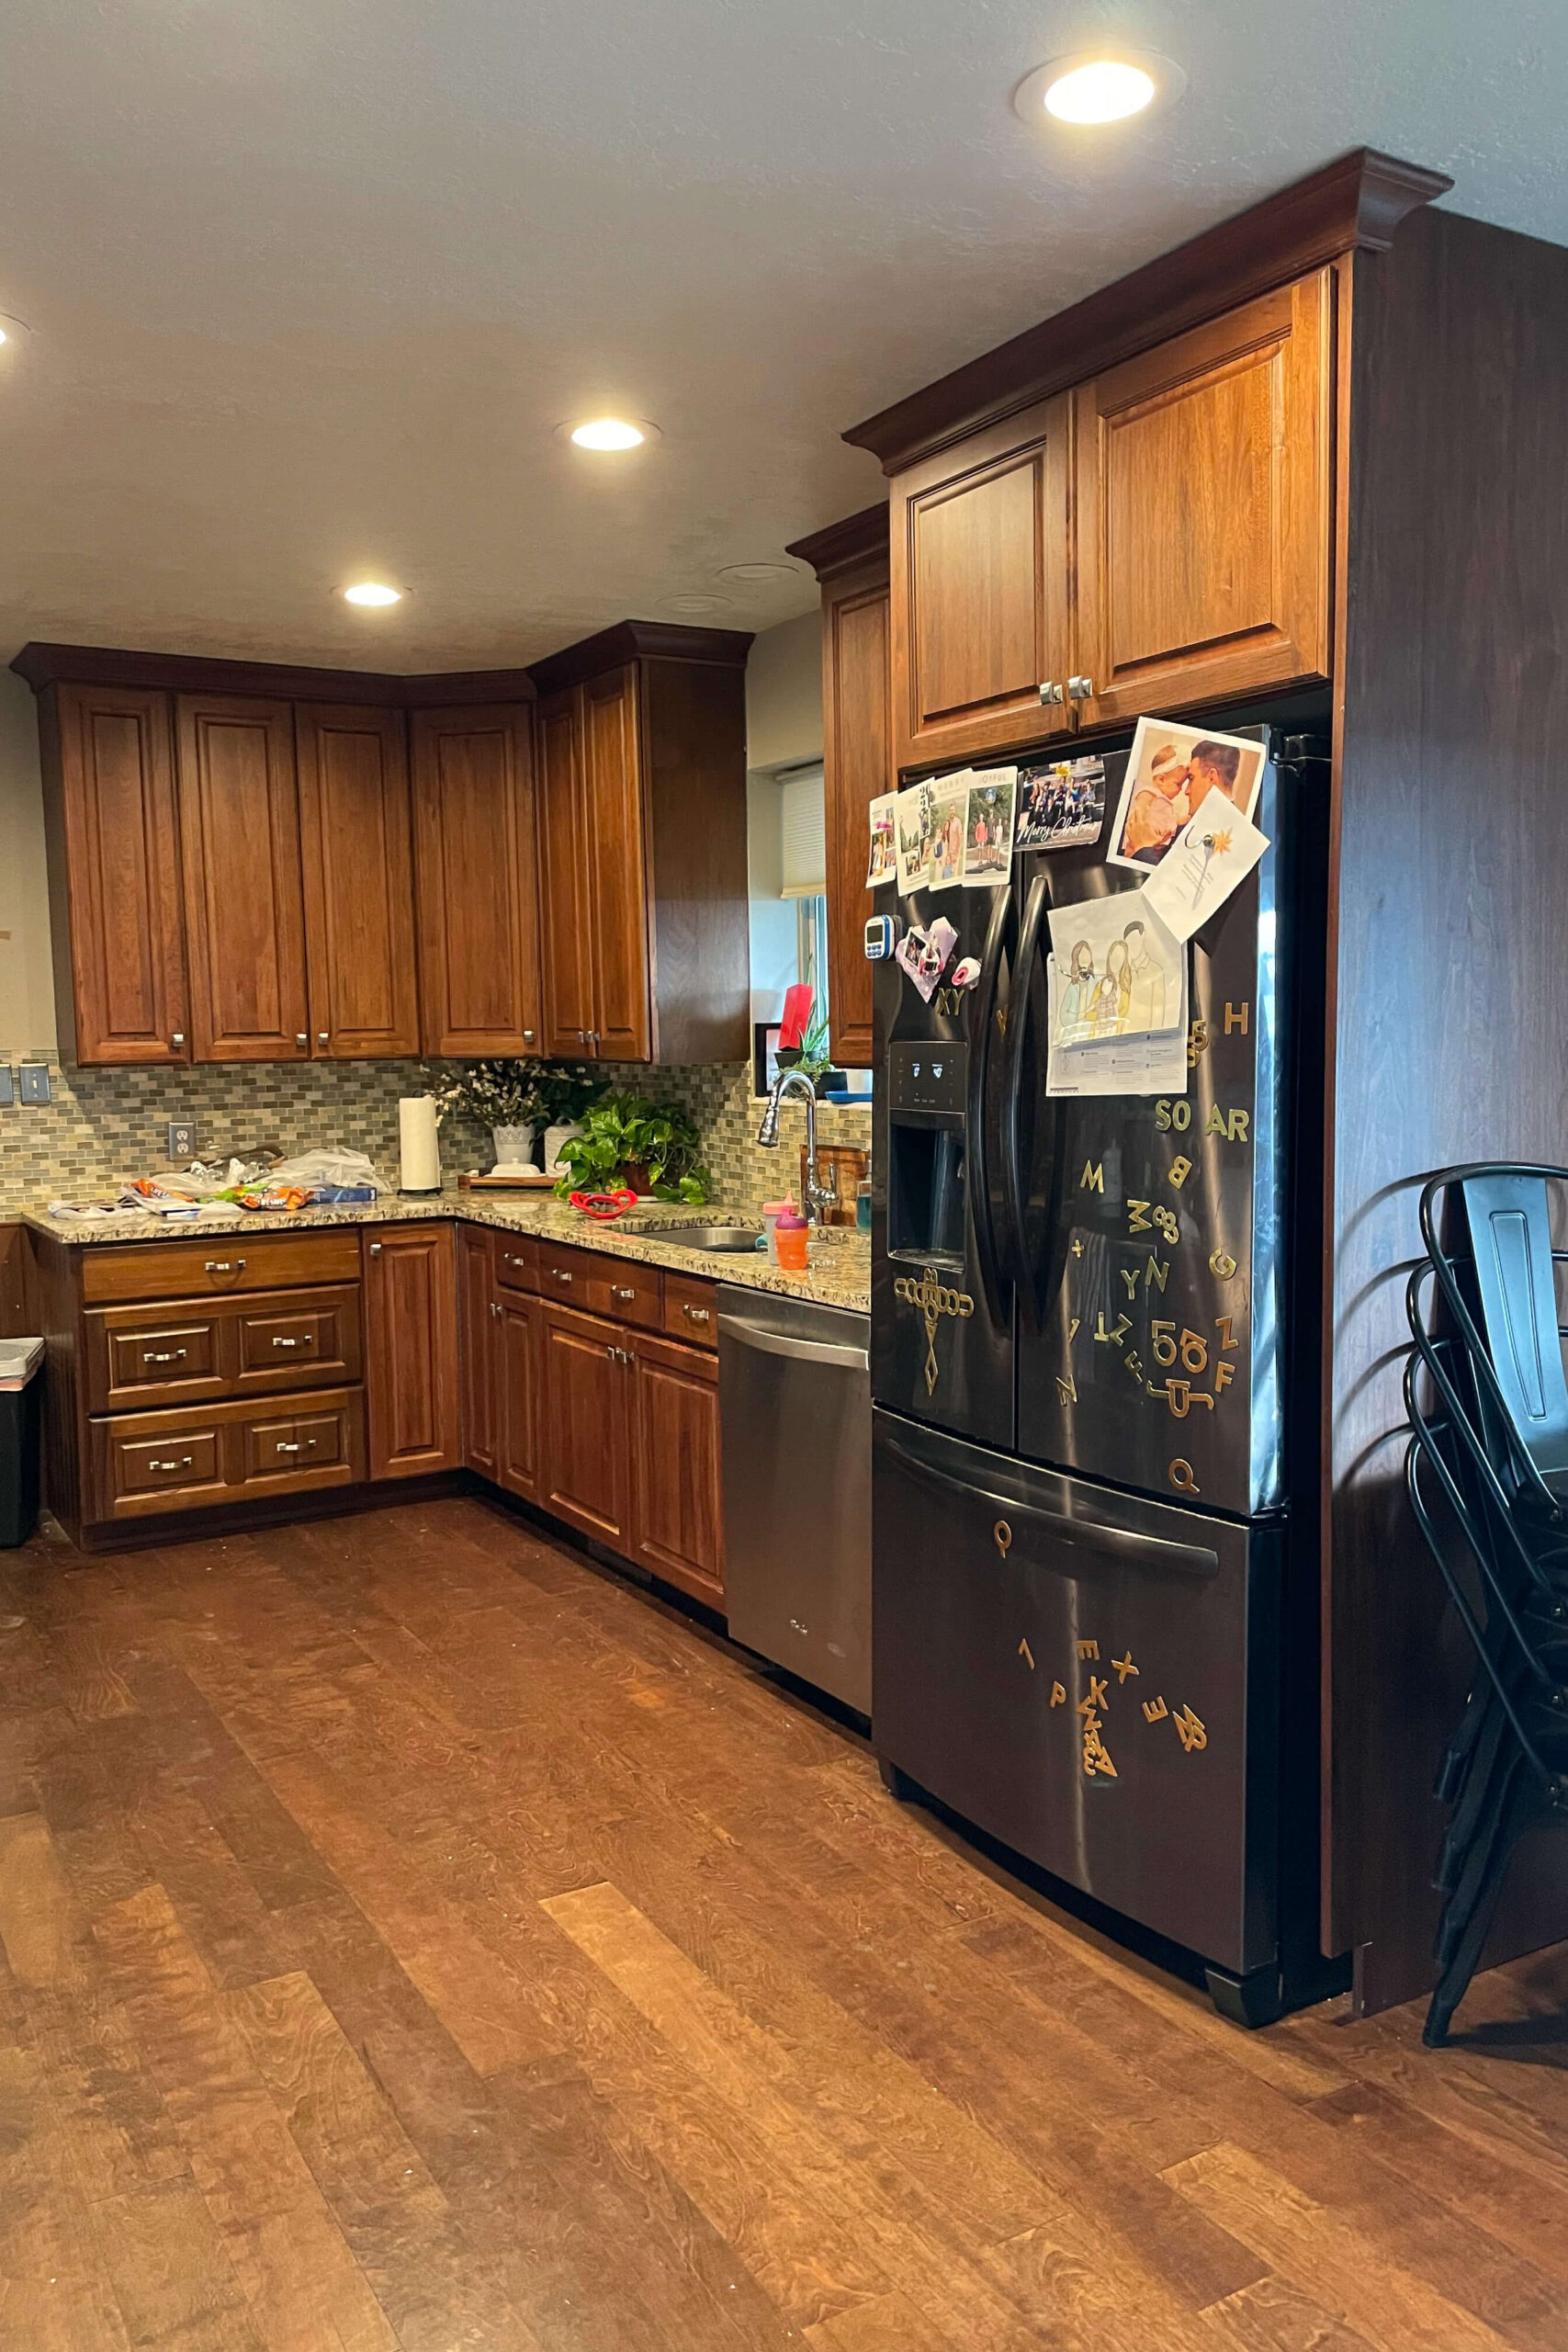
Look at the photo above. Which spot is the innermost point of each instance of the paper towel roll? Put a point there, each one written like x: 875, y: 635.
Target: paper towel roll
x: 419, y: 1165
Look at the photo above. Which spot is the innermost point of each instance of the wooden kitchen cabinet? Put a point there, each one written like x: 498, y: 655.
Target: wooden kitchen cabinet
x: 478, y: 867
x: 851, y: 561
x: 585, y: 1378
x: 642, y: 743
x: 478, y: 1312
x: 980, y: 553
x: 113, y: 845
x: 356, y: 848
x: 411, y: 1325
x: 677, y: 1505
x: 1203, y: 472
x: 244, y: 896
x: 517, y: 1338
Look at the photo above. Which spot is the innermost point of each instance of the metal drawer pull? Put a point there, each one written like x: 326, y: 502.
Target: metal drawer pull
x: 284, y: 1446
x: 621, y: 1293
x: 508, y: 1258
x: 697, y: 1314
x: 162, y: 1355
x: 617, y: 1355
x: 183, y: 1463
x: 280, y: 1342
x: 225, y: 1265
x: 558, y: 1274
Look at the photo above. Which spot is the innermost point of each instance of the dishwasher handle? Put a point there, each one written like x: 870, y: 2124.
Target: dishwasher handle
x: 782, y: 1343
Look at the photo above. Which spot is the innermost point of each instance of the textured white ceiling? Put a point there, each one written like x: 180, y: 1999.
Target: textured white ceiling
x: 312, y: 280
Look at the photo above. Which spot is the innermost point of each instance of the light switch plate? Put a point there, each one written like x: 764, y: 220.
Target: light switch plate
x: 8, y: 1083
x: 34, y: 1081
x: 182, y: 1142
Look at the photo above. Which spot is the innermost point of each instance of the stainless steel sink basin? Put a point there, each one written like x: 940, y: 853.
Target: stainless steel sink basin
x: 729, y: 1240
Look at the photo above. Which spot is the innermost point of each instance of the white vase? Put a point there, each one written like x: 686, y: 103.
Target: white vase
x: 514, y: 1149
x: 554, y: 1138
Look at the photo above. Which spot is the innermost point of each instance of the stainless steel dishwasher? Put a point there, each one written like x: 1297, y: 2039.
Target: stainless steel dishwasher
x: 794, y: 1403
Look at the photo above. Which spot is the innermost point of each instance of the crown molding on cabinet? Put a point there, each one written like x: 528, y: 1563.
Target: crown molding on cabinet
x: 639, y: 641
x: 839, y: 547
x: 1352, y: 205
x: 101, y: 665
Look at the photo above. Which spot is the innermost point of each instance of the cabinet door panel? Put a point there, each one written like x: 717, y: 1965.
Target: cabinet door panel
x: 980, y: 570
x: 518, y: 1328
x: 244, y: 890
x: 114, y: 841
x: 355, y: 831
x: 479, y: 880
x: 857, y: 764
x: 478, y: 1316
x: 680, y: 1526
x: 586, y: 1390
x: 622, y: 1024
x: 411, y: 1312
x: 1203, y: 496
x: 567, y: 865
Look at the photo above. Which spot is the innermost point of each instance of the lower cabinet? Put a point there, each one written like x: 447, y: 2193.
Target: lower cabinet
x: 411, y: 1322
x: 680, y: 1527
x: 516, y: 1340
x: 240, y: 1451
x: 585, y: 1379
x: 476, y: 1311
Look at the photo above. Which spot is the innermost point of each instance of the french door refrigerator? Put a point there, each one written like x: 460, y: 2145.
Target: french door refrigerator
x: 1093, y: 1326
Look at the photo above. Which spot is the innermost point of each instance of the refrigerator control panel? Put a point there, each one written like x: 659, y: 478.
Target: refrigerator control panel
x: 928, y: 1077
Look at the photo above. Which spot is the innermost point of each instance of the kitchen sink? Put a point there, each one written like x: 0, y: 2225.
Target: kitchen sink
x: 729, y: 1240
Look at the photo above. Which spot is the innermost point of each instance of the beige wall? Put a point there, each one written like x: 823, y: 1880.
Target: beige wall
x: 784, y: 694
x: 26, y: 984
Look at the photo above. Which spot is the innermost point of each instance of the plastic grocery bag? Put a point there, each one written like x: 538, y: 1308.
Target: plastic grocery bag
x: 332, y: 1169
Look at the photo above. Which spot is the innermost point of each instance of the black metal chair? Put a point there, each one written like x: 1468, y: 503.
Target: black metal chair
x: 1488, y: 1475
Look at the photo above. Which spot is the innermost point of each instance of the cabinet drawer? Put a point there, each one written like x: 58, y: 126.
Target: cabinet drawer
x: 150, y: 1357
x: 516, y: 1260
x: 147, y: 1462
x: 690, y: 1310
x: 179, y: 1467
x: 304, y: 1442
x: 297, y: 1342
x: 224, y: 1262
x: 141, y: 1357
x: 617, y: 1287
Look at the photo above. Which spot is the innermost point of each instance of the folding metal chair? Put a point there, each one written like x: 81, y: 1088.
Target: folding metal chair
x: 1487, y: 1474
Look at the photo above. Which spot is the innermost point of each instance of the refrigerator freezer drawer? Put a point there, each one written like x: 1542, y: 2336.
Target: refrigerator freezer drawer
x: 1090, y: 1677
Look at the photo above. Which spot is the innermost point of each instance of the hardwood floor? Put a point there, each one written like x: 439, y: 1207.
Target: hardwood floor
x: 415, y: 1939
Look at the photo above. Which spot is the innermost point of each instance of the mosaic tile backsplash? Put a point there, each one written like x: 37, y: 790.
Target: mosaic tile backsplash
x: 102, y: 1127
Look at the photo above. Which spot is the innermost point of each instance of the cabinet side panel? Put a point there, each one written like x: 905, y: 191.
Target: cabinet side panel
x: 694, y: 768
x: 1448, y: 977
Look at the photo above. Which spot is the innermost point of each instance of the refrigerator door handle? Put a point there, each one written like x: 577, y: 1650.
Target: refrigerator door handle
x: 1127, y: 1543
x: 1013, y: 1173
x: 984, y: 1015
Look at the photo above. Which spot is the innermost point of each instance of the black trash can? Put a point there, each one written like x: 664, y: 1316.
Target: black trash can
x: 21, y: 1393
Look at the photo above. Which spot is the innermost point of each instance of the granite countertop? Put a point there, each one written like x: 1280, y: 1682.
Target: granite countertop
x: 839, y: 1273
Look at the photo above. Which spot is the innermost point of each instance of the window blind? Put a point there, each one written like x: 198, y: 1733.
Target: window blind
x: 803, y: 825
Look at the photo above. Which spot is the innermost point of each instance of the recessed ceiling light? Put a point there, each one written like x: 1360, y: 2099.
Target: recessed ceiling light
x: 755, y: 575
x: 372, y: 591
x: 697, y: 603
x: 1097, y: 86
x: 611, y: 432
x: 13, y: 331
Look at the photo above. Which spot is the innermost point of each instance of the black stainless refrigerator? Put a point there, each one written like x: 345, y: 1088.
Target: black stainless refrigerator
x: 1094, y: 1325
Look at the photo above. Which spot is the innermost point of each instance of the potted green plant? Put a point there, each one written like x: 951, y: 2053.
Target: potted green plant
x: 513, y: 1098
x: 628, y: 1142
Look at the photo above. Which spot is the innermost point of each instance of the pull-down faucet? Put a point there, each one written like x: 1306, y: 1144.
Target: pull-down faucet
x: 819, y: 1196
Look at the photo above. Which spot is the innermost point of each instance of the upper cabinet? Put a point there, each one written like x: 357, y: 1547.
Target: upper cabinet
x: 980, y: 551
x: 1202, y: 473
x: 477, y: 869
x: 109, y: 774
x: 851, y: 560
x: 642, y: 755
x: 244, y: 894
x: 356, y: 838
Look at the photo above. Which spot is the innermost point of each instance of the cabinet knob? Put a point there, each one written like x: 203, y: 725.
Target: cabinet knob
x: 527, y: 1036
x: 179, y: 1038
x: 1080, y: 689
x: 583, y: 1036
x: 300, y: 1039
x: 323, y: 1036
x: 494, y: 1309
x: 593, y: 1037
x: 375, y: 1249
x: 1051, y: 690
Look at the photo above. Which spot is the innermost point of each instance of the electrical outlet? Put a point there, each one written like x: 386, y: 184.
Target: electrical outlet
x: 34, y: 1081
x: 182, y: 1142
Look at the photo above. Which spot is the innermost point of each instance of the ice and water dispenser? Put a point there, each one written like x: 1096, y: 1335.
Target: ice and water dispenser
x: 928, y: 1086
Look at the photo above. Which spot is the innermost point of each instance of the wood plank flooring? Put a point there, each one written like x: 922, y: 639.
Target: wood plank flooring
x: 416, y: 1939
